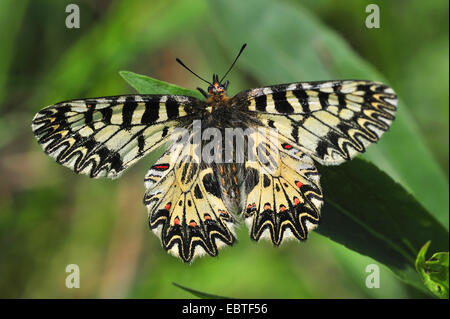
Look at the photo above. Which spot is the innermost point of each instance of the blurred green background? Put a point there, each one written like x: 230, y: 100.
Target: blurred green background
x: 50, y: 217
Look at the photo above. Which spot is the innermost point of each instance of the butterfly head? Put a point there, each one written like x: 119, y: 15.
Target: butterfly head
x: 217, y: 88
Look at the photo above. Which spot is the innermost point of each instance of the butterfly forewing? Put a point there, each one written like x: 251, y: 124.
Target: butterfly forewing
x: 330, y: 121
x: 104, y: 136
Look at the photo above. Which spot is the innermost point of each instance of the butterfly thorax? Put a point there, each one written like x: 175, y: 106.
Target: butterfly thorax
x: 217, y: 96
x: 218, y: 100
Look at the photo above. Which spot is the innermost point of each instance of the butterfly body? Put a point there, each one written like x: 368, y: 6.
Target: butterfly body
x: 246, y: 158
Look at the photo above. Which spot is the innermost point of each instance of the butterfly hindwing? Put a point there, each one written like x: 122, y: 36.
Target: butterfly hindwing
x: 185, y: 207
x: 105, y: 136
x: 283, y: 195
x: 330, y: 121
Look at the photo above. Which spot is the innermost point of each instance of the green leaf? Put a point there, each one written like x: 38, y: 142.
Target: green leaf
x: 202, y: 295
x: 302, y: 48
x: 146, y: 85
x: 368, y: 212
x: 434, y: 272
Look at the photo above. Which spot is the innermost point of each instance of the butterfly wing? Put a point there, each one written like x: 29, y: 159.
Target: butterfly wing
x: 282, y: 190
x: 104, y: 136
x: 329, y: 121
x: 184, y: 203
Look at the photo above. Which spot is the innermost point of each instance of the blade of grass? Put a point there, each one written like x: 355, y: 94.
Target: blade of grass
x: 147, y: 85
x: 202, y: 295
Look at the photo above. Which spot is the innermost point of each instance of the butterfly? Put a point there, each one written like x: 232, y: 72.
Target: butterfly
x: 194, y: 205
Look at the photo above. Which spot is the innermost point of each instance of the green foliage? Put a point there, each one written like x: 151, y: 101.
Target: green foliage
x: 50, y: 218
x: 368, y: 212
x: 434, y: 272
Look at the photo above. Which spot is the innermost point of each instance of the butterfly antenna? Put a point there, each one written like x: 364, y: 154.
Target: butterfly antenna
x: 242, y: 49
x: 183, y: 65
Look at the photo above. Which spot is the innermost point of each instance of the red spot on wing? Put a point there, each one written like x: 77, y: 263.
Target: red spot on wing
x: 287, y: 146
x: 168, y: 205
x: 299, y: 184
x: 176, y: 221
x: 193, y: 224
x: 296, y: 201
x: 223, y: 213
x: 160, y: 167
